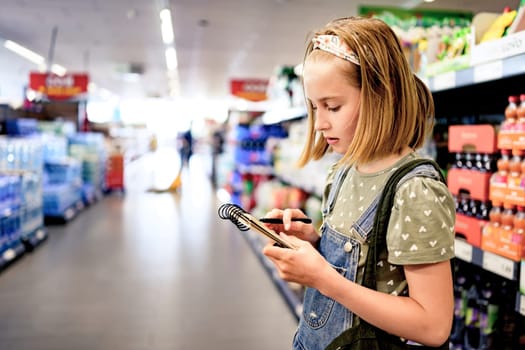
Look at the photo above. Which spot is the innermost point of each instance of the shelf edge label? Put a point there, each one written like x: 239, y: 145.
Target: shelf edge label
x: 445, y: 81
x: 488, y: 71
x: 463, y: 250
x: 499, y: 265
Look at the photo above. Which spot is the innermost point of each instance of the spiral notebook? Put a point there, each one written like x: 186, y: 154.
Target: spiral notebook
x: 245, y: 221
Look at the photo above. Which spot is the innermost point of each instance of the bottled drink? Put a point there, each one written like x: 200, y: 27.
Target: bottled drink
x: 495, y: 216
x: 472, y: 316
x: 484, y: 209
x: 507, y: 216
x: 488, y: 316
x: 519, y: 225
x: 511, y: 114
x: 460, y: 305
x: 459, y: 160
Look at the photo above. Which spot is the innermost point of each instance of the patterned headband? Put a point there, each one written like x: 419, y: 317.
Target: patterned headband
x: 334, y: 45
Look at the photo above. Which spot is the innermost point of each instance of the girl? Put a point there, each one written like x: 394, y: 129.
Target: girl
x: 365, y: 103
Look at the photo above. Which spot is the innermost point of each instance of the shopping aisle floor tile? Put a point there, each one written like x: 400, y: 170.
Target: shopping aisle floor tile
x: 144, y: 271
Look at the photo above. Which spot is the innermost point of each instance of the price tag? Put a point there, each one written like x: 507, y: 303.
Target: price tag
x: 445, y: 81
x: 463, y: 250
x: 499, y: 265
x: 522, y: 305
x: 488, y: 71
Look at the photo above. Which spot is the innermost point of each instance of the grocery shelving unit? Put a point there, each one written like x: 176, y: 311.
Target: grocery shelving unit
x: 483, y: 89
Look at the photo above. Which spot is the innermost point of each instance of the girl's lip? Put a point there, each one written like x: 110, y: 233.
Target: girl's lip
x: 331, y: 140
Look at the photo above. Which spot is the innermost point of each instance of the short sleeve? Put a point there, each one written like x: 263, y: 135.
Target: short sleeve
x: 421, y: 226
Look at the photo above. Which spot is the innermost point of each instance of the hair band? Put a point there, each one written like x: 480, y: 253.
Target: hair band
x: 332, y: 44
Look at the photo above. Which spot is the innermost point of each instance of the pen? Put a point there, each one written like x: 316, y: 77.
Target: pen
x: 280, y: 221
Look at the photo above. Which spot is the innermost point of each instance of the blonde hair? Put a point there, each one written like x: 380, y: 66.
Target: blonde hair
x: 396, y: 110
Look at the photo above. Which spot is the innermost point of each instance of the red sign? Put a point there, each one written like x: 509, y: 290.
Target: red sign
x: 57, y: 87
x: 249, y: 89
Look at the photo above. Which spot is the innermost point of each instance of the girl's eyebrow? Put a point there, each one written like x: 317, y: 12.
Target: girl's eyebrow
x: 324, y: 99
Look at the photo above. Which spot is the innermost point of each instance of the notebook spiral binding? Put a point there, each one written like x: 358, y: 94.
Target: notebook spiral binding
x: 245, y: 221
x: 234, y: 213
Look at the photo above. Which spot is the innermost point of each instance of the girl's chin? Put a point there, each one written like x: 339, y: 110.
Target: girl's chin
x: 338, y: 149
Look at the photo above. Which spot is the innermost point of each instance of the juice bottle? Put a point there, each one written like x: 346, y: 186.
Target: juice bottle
x: 519, y: 225
x: 498, y: 180
x: 520, y: 121
x: 520, y: 110
x: 515, y: 163
x: 495, y: 216
x: 507, y: 216
x: 511, y: 114
x: 503, y: 163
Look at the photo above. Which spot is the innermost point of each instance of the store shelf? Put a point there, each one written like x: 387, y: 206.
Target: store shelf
x: 479, y: 90
x: 488, y: 261
x: 485, y: 72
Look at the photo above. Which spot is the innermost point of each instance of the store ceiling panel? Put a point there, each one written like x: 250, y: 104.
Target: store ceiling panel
x: 216, y: 40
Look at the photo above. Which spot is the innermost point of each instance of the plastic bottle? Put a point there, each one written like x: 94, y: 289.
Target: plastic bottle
x: 515, y: 163
x: 519, y: 225
x: 503, y: 162
x: 488, y: 163
x: 520, y: 118
x: 508, y: 319
x: 488, y: 316
x: 498, y: 180
x: 472, y: 316
x: 459, y: 160
x: 495, y: 216
x: 461, y: 285
x: 469, y: 160
x: 484, y: 209
x: 511, y: 114
x: 520, y: 111
x: 507, y: 217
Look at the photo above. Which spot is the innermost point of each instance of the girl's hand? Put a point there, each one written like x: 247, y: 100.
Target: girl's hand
x: 305, y: 232
x: 303, y: 265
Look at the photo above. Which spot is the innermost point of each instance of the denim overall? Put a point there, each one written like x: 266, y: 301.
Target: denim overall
x: 323, y: 319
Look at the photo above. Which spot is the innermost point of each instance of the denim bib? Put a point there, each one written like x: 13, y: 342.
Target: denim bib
x: 323, y: 319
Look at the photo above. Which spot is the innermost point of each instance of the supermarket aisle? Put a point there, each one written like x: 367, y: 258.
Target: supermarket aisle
x: 144, y: 271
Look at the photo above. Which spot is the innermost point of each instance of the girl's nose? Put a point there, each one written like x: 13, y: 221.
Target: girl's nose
x: 320, y: 123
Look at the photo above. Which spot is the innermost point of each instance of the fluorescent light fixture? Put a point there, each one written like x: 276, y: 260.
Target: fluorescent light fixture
x: 166, y: 26
x: 24, y: 52
x: 171, y: 58
x: 58, y: 69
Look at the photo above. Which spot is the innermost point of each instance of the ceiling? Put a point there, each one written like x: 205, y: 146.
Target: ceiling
x: 216, y: 40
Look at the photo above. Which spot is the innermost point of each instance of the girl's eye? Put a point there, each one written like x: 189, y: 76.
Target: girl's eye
x: 333, y: 109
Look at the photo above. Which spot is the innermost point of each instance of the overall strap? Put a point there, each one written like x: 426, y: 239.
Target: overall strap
x: 378, y: 236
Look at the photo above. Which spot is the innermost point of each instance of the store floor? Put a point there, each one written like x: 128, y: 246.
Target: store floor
x: 145, y: 271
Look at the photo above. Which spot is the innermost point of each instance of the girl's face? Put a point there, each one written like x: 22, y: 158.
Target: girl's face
x: 334, y: 100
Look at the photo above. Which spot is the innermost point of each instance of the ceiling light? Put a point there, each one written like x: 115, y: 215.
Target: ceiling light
x: 58, y: 69
x: 171, y: 58
x: 166, y: 26
x: 24, y: 52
